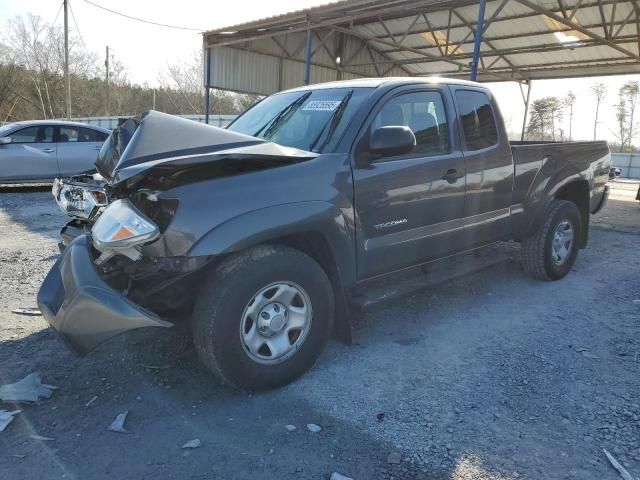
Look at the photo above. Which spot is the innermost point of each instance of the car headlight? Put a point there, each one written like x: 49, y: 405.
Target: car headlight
x: 120, y: 229
x: 78, y: 200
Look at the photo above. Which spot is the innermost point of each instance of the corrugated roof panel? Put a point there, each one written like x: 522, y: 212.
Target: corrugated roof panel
x: 531, y: 40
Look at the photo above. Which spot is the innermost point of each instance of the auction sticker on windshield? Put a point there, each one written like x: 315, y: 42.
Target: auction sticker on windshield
x: 322, y: 105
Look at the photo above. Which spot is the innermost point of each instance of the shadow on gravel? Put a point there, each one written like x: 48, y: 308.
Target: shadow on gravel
x: 32, y: 207
x: 171, y: 399
x: 619, y: 215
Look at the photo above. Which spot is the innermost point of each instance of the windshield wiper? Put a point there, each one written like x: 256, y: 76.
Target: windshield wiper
x: 333, y: 123
x: 283, y: 116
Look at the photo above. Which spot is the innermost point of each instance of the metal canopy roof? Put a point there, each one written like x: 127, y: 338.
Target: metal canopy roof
x: 521, y: 40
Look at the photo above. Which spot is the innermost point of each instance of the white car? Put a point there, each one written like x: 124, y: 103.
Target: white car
x: 41, y: 150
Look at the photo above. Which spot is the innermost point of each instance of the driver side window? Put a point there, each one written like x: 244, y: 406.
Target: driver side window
x: 33, y: 135
x: 424, y: 114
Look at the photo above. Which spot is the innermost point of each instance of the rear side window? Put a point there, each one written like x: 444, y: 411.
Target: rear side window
x: 33, y: 135
x: 478, y: 121
x: 424, y: 114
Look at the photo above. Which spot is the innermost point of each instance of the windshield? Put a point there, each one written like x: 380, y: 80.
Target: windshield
x: 312, y: 120
x: 6, y: 128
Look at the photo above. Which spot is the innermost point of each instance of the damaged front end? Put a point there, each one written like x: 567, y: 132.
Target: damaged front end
x: 118, y: 271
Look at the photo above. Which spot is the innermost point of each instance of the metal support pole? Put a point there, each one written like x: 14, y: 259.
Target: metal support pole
x: 478, y: 40
x: 67, y: 79
x: 106, y: 81
x: 307, y: 60
x: 207, y: 86
x: 526, y: 110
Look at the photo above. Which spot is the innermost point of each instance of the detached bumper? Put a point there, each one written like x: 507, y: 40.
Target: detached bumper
x: 81, y: 307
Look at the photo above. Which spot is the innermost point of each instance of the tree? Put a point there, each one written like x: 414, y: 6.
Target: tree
x: 626, y: 114
x: 599, y: 91
x: 32, y: 84
x: 546, y: 113
x: 569, y: 102
x: 629, y: 92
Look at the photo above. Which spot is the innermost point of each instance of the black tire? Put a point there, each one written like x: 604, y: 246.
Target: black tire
x: 219, y: 309
x: 537, y: 250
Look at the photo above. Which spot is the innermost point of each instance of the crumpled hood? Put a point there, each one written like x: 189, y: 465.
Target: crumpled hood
x: 159, y: 139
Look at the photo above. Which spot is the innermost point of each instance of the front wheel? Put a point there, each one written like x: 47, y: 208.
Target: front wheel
x: 263, y: 317
x: 551, y: 250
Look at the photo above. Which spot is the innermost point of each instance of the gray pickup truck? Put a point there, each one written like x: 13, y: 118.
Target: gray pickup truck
x: 264, y: 234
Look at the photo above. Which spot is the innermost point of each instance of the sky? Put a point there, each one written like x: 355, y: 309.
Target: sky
x: 145, y: 49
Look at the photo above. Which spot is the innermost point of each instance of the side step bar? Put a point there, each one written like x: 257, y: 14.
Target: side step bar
x: 402, y: 284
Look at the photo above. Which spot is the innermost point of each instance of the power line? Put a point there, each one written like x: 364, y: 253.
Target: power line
x: 84, y: 45
x: 57, y: 15
x: 143, y: 20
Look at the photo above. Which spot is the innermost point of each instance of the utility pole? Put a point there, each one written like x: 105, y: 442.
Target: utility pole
x: 106, y: 81
x: 67, y: 80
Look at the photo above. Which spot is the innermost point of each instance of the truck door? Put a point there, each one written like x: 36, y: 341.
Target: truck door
x: 488, y: 165
x: 409, y: 207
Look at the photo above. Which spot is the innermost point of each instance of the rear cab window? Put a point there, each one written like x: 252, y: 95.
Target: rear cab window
x: 478, y: 119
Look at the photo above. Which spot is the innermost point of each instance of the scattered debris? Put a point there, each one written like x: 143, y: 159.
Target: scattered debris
x: 29, y: 389
x: 154, y: 367
x: 394, y: 457
x: 195, y: 443
x: 88, y: 404
x: 588, y: 354
x: 118, y: 423
x: 380, y: 416
x: 40, y: 437
x: 337, y: 476
x: 6, y: 417
x: 30, y: 312
x: 621, y: 470
x: 290, y: 428
x: 313, y: 428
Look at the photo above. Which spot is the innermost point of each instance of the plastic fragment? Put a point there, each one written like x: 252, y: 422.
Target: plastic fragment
x: 6, y: 417
x: 337, y: 476
x: 195, y: 443
x: 42, y: 438
x: 118, y: 424
x: 313, y: 428
x: 30, y: 312
x: 621, y: 470
x: 29, y: 389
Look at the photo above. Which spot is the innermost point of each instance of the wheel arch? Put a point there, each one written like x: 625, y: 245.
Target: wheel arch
x: 318, y: 229
x: 577, y: 191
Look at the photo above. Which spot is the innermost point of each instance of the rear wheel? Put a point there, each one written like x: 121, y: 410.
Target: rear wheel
x: 263, y: 317
x: 550, y: 252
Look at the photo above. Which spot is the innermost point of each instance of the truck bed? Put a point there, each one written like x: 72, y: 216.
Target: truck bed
x: 590, y: 160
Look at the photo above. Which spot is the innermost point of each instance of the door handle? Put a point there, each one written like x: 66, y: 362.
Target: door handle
x: 451, y: 176
x: 48, y: 150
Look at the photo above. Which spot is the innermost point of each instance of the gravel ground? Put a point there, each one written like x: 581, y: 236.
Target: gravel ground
x: 491, y: 376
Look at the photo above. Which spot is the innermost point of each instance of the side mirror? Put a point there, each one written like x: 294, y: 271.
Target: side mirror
x: 392, y: 140
x: 5, y: 140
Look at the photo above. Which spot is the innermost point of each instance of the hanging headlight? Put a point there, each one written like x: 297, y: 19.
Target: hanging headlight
x: 78, y: 200
x: 120, y: 229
